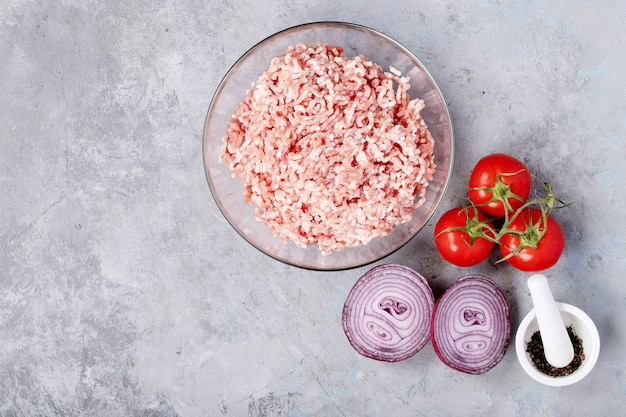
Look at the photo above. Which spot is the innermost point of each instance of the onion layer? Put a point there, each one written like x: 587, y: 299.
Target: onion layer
x: 387, y: 313
x: 471, y: 325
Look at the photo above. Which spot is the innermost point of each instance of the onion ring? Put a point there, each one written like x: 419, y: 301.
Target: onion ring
x: 387, y: 313
x: 471, y: 325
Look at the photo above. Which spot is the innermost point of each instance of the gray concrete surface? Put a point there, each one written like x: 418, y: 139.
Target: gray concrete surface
x: 124, y: 292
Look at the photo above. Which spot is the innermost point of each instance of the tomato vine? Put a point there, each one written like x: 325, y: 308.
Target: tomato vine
x: 528, y: 236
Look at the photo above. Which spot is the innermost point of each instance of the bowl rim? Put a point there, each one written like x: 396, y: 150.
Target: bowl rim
x: 590, y: 357
x: 220, y: 87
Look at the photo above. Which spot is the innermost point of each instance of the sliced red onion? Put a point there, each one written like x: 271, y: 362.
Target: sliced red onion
x: 387, y: 313
x: 471, y: 325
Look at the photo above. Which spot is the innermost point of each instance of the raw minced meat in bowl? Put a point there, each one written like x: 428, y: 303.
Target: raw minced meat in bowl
x: 328, y: 146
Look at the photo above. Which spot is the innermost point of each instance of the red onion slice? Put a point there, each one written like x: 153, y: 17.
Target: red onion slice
x: 471, y: 325
x: 387, y: 313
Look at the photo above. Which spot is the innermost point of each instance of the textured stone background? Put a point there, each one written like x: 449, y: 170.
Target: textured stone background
x: 123, y: 291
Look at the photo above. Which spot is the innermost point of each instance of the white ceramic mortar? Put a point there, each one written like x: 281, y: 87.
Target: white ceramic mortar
x: 584, y: 328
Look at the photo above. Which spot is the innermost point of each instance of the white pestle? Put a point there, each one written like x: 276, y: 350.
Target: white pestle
x: 557, y: 345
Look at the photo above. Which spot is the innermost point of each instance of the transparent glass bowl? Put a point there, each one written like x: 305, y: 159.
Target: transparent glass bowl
x: 356, y: 40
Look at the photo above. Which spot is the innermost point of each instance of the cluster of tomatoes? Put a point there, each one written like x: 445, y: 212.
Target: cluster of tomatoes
x: 499, y: 212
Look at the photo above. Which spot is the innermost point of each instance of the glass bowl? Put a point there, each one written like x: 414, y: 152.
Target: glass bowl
x: 356, y: 40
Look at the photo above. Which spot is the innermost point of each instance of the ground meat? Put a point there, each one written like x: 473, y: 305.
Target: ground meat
x: 331, y: 150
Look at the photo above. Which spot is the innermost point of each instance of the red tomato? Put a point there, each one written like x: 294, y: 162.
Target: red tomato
x: 540, y: 239
x: 499, y: 180
x: 462, y: 236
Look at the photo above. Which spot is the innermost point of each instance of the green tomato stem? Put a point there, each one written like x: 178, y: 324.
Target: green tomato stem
x: 501, y: 191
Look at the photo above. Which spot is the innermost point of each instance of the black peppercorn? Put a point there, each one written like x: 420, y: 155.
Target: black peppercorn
x: 538, y: 357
